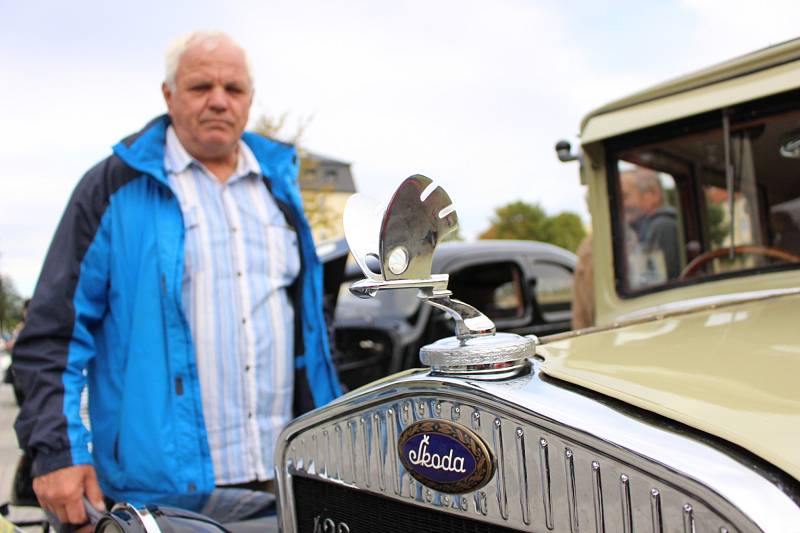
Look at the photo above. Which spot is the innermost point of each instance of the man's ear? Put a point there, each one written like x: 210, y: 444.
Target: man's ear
x: 167, y: 92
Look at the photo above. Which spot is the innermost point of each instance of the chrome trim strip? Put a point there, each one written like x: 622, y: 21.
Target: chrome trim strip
x: 351, y: 445
x: 572, y: 499
x: 522, y: 470
x: 625, y: 499
x: 544, y: 469
x: 688, y: 519
x: 362, y: 427
x: 597, y: 485
x: 378, y: 436
x: 391, y: 426
x: 604, y: 440
x: 655, y: 511
x: 502, y: 493
x: 684, y: 307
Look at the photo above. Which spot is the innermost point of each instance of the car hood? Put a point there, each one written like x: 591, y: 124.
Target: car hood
x: 731, y: 371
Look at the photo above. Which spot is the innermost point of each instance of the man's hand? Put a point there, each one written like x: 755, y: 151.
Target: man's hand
x: 62, y: 491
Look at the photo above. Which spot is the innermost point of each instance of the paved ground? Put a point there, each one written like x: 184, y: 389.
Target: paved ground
x: 9, y: 452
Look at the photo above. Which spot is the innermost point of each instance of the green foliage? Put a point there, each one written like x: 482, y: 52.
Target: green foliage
x: 717, y: 228
x: 517, y: 220
x: 565, y: 230
x: 10, y: 304
x: 521, y: 220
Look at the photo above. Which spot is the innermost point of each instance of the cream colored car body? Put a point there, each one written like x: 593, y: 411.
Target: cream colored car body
x: 722, y: 356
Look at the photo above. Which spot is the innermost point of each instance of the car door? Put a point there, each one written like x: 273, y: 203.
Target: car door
x: 551, y: 285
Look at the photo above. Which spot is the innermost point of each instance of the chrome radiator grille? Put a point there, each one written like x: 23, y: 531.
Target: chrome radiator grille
x: 550, y: 476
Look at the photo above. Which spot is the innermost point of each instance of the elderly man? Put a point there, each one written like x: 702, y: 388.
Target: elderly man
x: 652, y: 219
x: 183, y: 285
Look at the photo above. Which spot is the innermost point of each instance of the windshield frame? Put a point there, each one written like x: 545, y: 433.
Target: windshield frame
x: 694, y: 125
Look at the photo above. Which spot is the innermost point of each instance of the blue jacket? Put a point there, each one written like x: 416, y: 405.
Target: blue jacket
x: 107, y: 310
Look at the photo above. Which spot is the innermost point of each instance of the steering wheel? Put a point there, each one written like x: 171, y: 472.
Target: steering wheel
x: 766, y: 251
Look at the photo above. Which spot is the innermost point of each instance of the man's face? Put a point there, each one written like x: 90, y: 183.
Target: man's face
x: 210, y: 102
x: 633, y: 200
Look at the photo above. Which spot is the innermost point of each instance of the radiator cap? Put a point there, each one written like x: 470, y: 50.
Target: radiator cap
x: 498, y: 356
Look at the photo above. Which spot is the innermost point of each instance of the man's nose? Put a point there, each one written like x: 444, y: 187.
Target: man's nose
x: 218, y: 99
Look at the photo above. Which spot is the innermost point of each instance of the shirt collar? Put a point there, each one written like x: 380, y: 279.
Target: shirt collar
x: 177, y: 159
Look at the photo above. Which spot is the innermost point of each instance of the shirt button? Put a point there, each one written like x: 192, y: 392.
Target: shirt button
x: 234, y: 229
x: 239, y: 274
x: 247, y: 368
x: 249, y: 415
x: 244, y: 321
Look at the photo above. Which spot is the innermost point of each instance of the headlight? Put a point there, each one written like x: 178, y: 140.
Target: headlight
x: 124, y: 518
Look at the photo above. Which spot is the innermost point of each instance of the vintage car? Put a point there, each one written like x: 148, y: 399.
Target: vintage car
x: 678, y: 412
x: 523, y: 286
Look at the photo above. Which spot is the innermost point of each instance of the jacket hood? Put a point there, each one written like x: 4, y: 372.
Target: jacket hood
x: 729, y: 371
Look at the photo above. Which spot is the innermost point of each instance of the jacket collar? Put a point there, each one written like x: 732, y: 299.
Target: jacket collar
x: 144, y: 151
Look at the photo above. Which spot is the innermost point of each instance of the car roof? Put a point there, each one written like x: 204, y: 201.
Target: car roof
x: 450, y: 251
x: 686, y: 95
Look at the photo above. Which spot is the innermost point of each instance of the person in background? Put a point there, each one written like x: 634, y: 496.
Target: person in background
x: 652, y: 219
x: 583, y: 286
x: 9, y: 375
x: 183, y: 286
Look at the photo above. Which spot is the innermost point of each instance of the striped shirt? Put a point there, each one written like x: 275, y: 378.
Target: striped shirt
x: 240, y: 258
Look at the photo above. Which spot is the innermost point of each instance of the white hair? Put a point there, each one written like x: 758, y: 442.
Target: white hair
x: 210, y: 40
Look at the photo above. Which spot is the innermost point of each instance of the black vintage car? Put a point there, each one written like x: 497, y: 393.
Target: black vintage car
x: 523, y: 286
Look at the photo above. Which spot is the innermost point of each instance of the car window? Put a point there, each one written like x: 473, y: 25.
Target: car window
x: 394, y: 304
x: 493, y: 288
x: 553, y: 290
x: 714, y: 198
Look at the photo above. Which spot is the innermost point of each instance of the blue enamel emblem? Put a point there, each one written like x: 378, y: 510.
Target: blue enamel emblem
x: 445, y: 456
x: 439, y: 457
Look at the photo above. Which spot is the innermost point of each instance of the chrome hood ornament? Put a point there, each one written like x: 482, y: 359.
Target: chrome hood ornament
x: 394, y: 247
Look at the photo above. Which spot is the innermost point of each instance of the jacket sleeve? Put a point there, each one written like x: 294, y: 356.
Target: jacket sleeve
x: 53, y: 350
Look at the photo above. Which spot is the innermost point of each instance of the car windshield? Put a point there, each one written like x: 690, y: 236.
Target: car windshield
x: 715, y: 196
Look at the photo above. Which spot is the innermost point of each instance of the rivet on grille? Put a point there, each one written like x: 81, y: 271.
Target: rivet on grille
x: 476, y: 420
x: 437, y: 408
x: 455, y: 412
x: 465, y: 504
x: 688, y: 518
x: 428, y: 495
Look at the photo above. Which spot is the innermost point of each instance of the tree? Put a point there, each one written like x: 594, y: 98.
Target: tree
x: 10, y: 304
x: 319, y: 216
x: 517, y: 220
x: 521, y: 220
x: 565, y: 230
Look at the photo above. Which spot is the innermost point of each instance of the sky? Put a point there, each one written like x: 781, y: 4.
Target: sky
x: 472, y: 94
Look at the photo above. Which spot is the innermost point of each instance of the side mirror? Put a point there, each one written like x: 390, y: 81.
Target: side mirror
x: 564, y: 152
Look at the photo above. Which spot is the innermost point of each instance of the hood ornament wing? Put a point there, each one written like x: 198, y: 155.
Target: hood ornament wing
x: 417, y: 218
